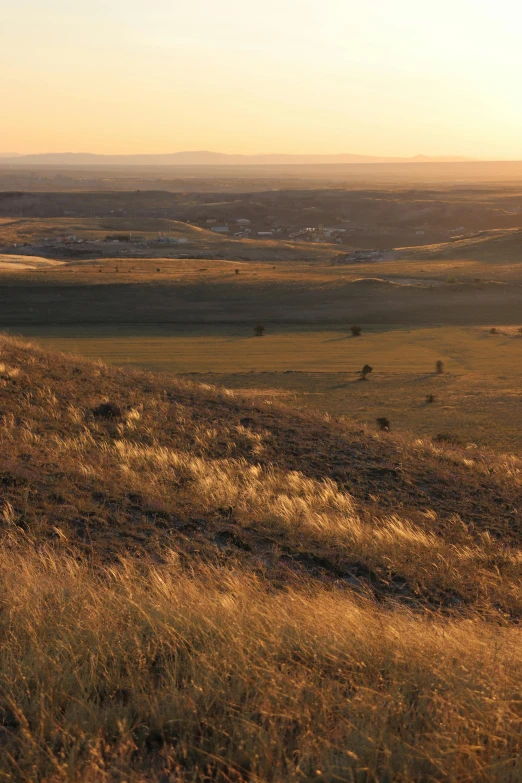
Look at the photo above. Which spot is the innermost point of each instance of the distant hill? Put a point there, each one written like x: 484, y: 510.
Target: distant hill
x: 207, y: 158
x: 501, y: 245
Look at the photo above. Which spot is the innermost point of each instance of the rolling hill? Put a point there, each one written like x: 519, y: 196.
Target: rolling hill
x: 199, y: 241
x: 498, y: 245
x: 198, y: 585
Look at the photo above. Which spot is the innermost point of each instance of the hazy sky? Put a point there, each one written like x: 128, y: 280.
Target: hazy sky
x: 384, y: 77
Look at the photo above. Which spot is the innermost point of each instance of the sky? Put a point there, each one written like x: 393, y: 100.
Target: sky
x: 372, y: 77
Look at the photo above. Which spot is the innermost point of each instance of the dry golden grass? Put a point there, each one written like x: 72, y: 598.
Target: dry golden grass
x: 209, y: 588
x: 149, y: 673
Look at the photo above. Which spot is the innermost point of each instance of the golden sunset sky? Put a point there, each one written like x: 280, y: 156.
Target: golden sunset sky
x: 376, y: 77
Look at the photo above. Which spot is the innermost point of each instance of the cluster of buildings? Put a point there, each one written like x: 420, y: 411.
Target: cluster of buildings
x: 318, y: 234
x: 63, y: 241
x: 241, y: 228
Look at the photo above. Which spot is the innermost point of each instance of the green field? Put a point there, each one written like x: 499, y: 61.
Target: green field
x: 478, y: 398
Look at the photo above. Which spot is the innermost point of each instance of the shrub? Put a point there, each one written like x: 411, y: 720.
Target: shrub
x: 383, y: 424
x: 236, y: 271
x: 439, y: 366
x: 430, y: 398
x: 356, y: 331
x: 366, y: 370
x: 107, y: 410
x: 493, y: 330
x: 259, y: 330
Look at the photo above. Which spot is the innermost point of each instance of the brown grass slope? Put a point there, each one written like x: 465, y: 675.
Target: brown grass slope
x: 198, y: 587
x: 188, y: 466
x: 495, y: 245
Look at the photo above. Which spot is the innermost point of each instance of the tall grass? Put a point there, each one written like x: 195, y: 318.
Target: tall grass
x: 136, y: 672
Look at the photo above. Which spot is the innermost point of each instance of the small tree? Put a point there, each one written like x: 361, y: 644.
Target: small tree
x: 236, y: 271
x: 430, y: 398
x: 366, y: 370
x: 356, y: 331
x: 259, y: 330
x: 383, y: 424
x: 439, y: 366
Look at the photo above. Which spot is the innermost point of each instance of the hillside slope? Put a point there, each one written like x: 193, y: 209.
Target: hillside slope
x: 198, y: 587
x: 194, y: 467
x: 494, y: 246
x: 29, y: 235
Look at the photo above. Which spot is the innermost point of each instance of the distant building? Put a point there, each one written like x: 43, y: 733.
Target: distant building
x: 220, y: 229
x: 243, y: 222
x: 164, y: 239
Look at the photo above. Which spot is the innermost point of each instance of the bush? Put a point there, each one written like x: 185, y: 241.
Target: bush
x: 107, y: 410
x: 259, y: 330
x: 430, y: 398
x: 366, y: 370
x: 383, y: 424
x: 439, y: 367
x: 493, y: 330
x: 356, y: 331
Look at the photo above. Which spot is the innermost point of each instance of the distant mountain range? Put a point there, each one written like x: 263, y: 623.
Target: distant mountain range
x: 204, y: 158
